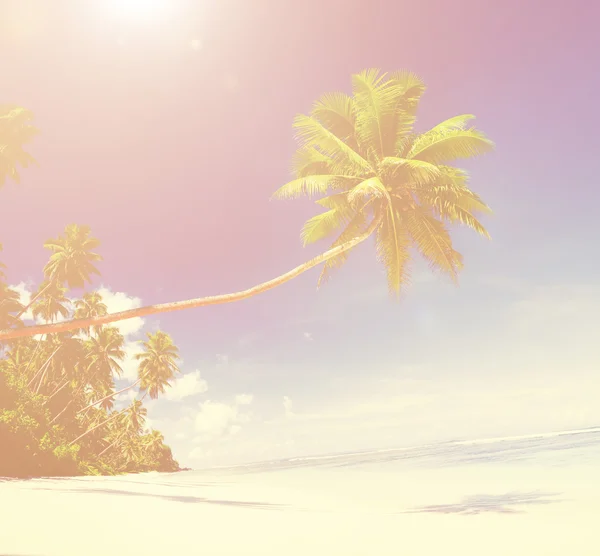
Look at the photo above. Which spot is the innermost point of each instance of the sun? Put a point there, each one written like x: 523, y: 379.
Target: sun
x: 140, y: 10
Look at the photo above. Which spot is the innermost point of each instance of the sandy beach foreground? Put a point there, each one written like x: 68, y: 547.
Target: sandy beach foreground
x: 474, y: 510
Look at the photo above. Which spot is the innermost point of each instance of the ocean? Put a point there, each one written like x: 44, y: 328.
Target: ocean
x: 560, y: 448
x: 536, y: 494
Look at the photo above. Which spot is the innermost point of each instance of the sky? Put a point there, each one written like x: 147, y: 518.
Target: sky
x: 168, y: 131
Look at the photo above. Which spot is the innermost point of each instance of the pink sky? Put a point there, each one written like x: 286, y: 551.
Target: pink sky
x: 170, y: 149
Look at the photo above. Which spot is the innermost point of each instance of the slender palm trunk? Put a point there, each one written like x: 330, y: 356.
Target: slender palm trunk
x: 43, y: 367
x: 39, y: 386
x: 36, y: 297
x: 57, y: 390
x: 190, y: 303
x: 110, y: 396
x: 116, y: 414
x: 63, y: 410
x: 110, y: 445
x: 73, y: 398
x: 37, y: 348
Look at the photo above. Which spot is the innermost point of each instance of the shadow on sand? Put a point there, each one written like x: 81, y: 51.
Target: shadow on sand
x: 482, y: 503
x: 175, y: 498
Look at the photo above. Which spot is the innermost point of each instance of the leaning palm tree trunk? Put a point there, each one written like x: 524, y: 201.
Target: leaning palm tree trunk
x: 110, y: 445
x: 190, y: 303
x: 43, y: 367
x: 110, y: 396
x: 116, y: 414
x: 36, y: 297
x: 62, y: 411
x: 57, y: 390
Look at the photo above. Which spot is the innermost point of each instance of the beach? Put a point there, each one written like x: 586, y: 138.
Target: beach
x: 545, y: 504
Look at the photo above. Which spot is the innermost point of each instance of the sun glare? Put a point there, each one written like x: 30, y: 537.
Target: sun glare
x: 140, y: 10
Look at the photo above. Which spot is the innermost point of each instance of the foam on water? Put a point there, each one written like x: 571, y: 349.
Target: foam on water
x: 553, y: 448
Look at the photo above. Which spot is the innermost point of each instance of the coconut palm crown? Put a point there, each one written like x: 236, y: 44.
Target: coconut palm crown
x: 373, y: 172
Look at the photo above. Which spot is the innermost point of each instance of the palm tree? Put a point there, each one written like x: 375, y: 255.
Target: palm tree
x: 90, y: 306
x: 72, y: 261
x: 158, y: 363
x: 378, y: 178
x: 10, y: 307
x: 65, y: 363
x: 154, y: 441
x: 361, y: 154
x: 135, y: 417
x: 104, y: 352
x: 15, y: 131
x: 2, y: 265
x: 50, y: 302
x: 157, y: 367
x: 131, y: 424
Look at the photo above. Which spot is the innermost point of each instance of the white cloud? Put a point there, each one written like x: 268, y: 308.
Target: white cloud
x: 149, y: 424
x: 185, y: 386
x: 308, y: 336
x: 24, y: 298
x: 129, y: 363
x: 120, y: 301
x: 127, y: 396
x: 216, y: 420
x: 244, y: 399
x: 287, y: 406
x: 222, y: 359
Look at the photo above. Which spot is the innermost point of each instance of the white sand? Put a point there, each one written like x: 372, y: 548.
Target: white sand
x: 326, y: 512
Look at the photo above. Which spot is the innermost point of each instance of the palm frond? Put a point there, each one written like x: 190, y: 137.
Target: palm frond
x: 451, y: 124
x: 399, y: 123
x: 375, y: 98
x: 458, y: 182
x: 308, y: 161
x: 404, y: 171
x: 336, y: 112
x: 311, y: 133
x: 392, y: 246
x: 356, y: 226
x: 448, y: 208
x: 372, y: 187
x: 444, y: 146
x: 432, y: 239
x: 312, y: 185
x: 336, y: 201
x: 458, y: 214
x: 323, y: 225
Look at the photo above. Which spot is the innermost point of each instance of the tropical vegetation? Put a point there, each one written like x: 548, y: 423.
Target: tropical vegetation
x: 375, y: 177
x: 58, y: 396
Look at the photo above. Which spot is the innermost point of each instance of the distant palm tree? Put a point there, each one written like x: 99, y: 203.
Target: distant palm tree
x: 72, y: 261
x: 50, y: 302
x: 64, y: 363
x: 2, y: 266
x: 15, y: 131
x: 104, y: 351
x: 378, y: 178
x: 158, y: 363
x: 157, y: 367
x: 89, y: 307
x: 10, y: 307
x: 154, y: 442
x: 135, y: 417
